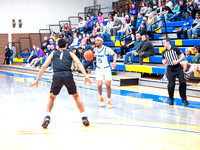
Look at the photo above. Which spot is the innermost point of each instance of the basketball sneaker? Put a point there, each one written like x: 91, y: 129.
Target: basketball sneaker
x: 85, y: 121
x: 46, y: 122
x: 101, y: 102
x: 109, y: 105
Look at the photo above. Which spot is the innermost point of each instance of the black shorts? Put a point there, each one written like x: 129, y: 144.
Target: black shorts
x: 63, y: 79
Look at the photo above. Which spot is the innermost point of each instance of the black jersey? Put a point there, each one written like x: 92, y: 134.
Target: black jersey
x: 62, y: 61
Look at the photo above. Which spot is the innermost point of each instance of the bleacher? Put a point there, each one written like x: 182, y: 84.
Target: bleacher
x: 152, y: 64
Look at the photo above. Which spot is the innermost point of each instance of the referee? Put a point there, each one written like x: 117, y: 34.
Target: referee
x: 172, y: 56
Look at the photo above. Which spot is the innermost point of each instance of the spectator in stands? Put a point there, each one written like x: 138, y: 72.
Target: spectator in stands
x: 146, y: 27
x: 88, y: 25
x: 169, y: 4
x: 79, y: 40
x: 83, y: 41
x: 179, y: 14
x: 186, y: 25
x: 33, y: 55
x: 62, y: 28
x: 158, y: 24
x: 195, y: 69
x: 112, y: 12
x: 195, y: 29
x: 145, y: 49
x: 194, y: 63
x: 175, y: 11
x: 128, y: 42
x: 51, y: 49
x: 45, y: 43
x: 143, y: 9
x: 166, y: 12
x: 94, y: 19
x: 8, y: 54
x: 155, y: 5
x: 69, y: 39
x: 187, y: 59
x: 122, y: 17
x: 191, y: 8
x: 77, y: 31
x: 142, y: 29
x: 127, y: 19
x: 138, y: 23
x: 61, y: 36
x: 13, y: 48
x: 132, y: 53
x: 100, y: 18
x: 195, y: 59
x: 67, y: 27
x: 109, y: 23
x: 134, y: 10
x: 52, y: 33
x: 121, y: 32
x: 51, y: 42
x: 97, y: 29
x: 117, y: 26
x: 74, y: 43
x: 66, y: 32
x: 81, y: 24
x: 159, y: 8
x: 94, y: 35
x: 105, y: 32
x: 74, y: 66
x: 80, y: 54
x: 40, y: 56
x: 132, y: 23
x: 88, y: 38
x: 149, y: 11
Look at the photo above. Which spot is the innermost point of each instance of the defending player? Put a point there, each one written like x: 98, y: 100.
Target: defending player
x: 62, y: 75
x: 103, y: 69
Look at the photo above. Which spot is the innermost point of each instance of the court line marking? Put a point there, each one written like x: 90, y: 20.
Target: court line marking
x: 127, y: 124
x: 81, y: 85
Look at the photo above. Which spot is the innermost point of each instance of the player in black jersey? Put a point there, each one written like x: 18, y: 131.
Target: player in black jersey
x: 62, y: 75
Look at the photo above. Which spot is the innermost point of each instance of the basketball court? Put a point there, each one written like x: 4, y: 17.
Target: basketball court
x: 140, y: 118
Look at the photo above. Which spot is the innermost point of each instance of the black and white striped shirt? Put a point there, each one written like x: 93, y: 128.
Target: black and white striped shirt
x: 171, y: 55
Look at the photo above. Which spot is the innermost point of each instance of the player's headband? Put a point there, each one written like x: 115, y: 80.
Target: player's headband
x: 99, y: 38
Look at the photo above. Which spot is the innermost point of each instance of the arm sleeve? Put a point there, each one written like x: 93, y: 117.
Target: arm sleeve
x: 144, y: 47
x: 178, y: 51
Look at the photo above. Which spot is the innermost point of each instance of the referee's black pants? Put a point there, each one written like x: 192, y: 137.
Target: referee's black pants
x: 172, y: 73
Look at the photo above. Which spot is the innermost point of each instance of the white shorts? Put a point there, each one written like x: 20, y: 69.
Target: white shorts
x: 103, y: 73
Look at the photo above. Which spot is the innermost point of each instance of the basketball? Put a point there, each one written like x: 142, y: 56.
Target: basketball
x: 88, y: 55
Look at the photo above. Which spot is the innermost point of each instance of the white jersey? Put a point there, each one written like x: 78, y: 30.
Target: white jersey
x: 102, y: 56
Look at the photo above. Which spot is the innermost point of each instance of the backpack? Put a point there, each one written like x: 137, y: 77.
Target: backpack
x: 11, y: 53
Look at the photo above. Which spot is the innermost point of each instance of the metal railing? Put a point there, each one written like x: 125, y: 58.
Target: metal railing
x: 41, y: 34
x: 105, y: 12
x: 124, y: 10
x: 64, y: 21
x: 73, y: 17
x: 165, y: 26
x: 23, y: 51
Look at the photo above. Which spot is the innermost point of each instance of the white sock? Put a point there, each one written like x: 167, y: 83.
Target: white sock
x: 83, y: 114
x: 100, y: 96
x: 48, y: 114
x: 108, y: 99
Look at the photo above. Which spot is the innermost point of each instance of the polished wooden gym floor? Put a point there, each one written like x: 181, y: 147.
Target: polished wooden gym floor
x: 140, y: 118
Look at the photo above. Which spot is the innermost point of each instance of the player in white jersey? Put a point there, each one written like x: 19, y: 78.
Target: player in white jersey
x: 103, y: 69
